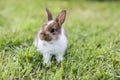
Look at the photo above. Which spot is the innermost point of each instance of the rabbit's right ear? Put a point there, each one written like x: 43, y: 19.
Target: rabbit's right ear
x: 61, y: 17
x: 49, y: 15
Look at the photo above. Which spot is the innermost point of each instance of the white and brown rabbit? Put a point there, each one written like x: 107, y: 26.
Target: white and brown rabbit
x: 51, y: 38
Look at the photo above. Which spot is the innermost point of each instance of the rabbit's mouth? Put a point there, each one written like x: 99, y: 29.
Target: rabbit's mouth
x: 45, y: 37
x: 48, y: 37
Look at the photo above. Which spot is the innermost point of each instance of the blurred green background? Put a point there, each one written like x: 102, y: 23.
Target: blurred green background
x: 93, y: 29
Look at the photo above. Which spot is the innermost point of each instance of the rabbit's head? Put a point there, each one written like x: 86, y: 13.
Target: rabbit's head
x: 52, y: 28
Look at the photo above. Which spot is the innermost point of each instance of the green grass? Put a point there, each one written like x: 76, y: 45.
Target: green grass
x: 93, y: 30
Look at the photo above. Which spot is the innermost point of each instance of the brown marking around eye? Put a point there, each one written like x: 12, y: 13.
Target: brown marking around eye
x: 45, y: 33
x: 56, y: 26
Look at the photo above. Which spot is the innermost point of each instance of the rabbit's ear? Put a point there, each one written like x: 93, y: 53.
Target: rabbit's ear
x: 61, y: 17
x: 49, y: 15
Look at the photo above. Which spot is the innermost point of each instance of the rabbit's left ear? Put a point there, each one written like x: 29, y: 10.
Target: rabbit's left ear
x: 49, y: 15
x: 61, y: 17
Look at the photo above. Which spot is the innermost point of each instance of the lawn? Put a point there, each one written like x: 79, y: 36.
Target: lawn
x: 93, y: 30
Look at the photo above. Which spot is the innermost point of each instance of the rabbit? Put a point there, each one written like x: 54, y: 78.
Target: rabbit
x: 52, y: 38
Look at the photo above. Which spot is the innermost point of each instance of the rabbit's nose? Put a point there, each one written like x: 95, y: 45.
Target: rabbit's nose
x: 43, y: 35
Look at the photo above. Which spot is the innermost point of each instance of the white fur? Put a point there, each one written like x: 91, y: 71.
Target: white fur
x: 49, y: 23
x: 54, y: 47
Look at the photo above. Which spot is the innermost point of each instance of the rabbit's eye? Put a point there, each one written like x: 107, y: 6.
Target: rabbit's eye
x: 52, y: 30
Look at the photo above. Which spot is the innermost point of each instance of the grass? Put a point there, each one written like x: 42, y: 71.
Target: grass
x: 93, y: 30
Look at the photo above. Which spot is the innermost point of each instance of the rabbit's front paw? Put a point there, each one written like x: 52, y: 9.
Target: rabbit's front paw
x: 59, y: 58
x: 47, y: 59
